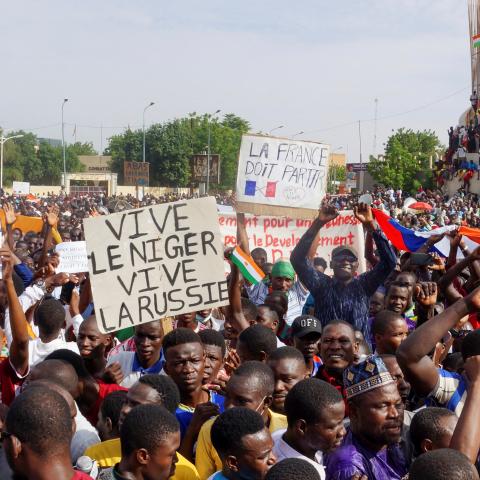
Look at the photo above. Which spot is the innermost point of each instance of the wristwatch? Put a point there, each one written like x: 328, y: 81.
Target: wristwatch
x: 43, y: 286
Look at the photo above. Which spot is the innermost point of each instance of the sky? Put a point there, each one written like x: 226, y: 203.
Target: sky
x: 311, y: 65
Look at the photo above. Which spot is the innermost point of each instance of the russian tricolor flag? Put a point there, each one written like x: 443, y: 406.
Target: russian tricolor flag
x: 408, y: 240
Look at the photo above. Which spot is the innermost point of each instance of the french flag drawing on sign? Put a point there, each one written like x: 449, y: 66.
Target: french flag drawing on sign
x: 250, y: 187
x: 271, y: 189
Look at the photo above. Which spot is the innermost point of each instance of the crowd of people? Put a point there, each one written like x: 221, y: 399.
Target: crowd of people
x: 316, y: 372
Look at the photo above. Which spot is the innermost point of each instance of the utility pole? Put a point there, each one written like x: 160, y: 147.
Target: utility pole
x: 361, y: 166
x: 65, y: 100
x: 375, y: 128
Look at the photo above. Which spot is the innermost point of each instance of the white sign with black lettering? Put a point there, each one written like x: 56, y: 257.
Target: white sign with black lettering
x: 154, y: 262
x: 280, y: 172
x: 73, y: 257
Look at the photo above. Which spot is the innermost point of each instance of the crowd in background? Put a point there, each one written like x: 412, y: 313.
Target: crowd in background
x: 303, y: 375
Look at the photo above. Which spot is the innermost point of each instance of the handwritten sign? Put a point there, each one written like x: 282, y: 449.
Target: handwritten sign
x: 21, y: 188
x: 279, y: 176
x: 73, y: 257
x: 149, y: 263
x: 278, y: 236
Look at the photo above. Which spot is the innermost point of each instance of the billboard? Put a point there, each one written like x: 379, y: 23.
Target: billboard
x: 136, y: 173
x: 357, y: 167
x: 199, y: 168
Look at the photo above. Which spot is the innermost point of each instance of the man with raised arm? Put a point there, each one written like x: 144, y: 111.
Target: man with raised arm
x: 345, y: 296
x: 446, y: 388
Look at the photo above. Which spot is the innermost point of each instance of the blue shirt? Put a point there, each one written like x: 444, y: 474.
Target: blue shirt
x: 184, y: 413
x: 155, y: 368
x: 335, y: 300
x: 218, y: 476
x: 24, y: 273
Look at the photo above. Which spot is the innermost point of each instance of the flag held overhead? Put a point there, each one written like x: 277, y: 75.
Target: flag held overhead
x: 248, y: 268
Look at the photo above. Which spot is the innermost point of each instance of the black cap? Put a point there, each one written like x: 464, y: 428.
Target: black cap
x: 306, y: 324
x: 344, y: 249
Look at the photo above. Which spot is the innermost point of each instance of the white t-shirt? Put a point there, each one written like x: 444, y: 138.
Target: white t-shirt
x: 130, y: 373
x: 85, y: 436
x: 38, y: 351
x: 282, y: 450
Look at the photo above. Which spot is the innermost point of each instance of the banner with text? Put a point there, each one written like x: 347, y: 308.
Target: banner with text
x: 73, y: 257
x: 278, y: 236
x: 136, y: 173
x: 281, y: 174
x: 153, y: 262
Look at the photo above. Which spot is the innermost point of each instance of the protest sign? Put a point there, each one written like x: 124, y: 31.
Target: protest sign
x: 26, y: 224
x: 278, y: 176
x: 73, y: 257
x: 157, y: 261
x: 278, y: 236
x: 21, y: 188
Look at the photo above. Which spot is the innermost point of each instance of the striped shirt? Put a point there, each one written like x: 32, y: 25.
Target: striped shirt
x: 450, y: 391
x: 297, y: 296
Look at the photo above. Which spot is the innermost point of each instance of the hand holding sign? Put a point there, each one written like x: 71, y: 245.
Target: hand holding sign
x: 364, y: 214
x: 157, y: 261
x: 327, y: 213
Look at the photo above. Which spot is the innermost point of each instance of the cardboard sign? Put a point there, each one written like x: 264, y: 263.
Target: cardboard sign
x: 136, y: 173
x: 149, y: 263
x: 73, y: 257
x: 26, y: 224
x: 21, y: 188
x: 278, y: 236
x: 278, y: 176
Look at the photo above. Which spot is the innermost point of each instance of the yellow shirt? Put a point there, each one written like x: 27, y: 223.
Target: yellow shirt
x: 207, y: 460
x: 109, y: 453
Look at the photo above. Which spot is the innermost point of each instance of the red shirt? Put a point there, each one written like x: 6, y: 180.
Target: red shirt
x: 10, y: 380
x: 104, y: 390
x: 322, y: 374
x: 81, y: 476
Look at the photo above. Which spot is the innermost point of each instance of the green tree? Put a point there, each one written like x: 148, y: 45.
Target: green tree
x: 27, y: 159
x: 169, y: 147
x: 79, y: 148
x: 406, y: 163
x: 51, y: 161
x: 336, y: 173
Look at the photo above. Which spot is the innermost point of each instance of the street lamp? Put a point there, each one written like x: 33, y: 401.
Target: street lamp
x: 143, y: 128
x: 208, y: 152
x: 296, y: 135
x: 2, y: 141
x: 276, y: 128
x: 65, y: 100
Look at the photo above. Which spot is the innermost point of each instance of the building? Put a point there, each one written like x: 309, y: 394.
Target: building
x: 338, y: 159
x: 96, y: 178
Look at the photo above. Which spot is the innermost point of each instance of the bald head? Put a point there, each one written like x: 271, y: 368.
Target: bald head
x: 56, y: 371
